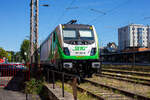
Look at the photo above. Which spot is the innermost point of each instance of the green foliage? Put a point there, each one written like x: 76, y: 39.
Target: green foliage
x: 33, y: 86
x: 17, y: 57
x: 9, y: 57
x: 148, y: 94
x: 135, y: 96
x: 25, y: 50
x: 116, y: 91
x: 4, y: 53
x: 80, y: 95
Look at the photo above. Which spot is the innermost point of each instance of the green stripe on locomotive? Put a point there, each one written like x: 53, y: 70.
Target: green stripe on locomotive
x: 61, y: 54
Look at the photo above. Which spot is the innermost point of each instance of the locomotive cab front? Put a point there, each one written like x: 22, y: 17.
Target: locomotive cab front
x: 80, y: 48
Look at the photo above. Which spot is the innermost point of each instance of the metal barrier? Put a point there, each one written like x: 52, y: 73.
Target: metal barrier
x: 10, y: 71
x: 74, y: 83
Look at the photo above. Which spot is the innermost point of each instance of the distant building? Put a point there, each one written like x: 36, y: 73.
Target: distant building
x: 111, y: 47
x: 133, y: 35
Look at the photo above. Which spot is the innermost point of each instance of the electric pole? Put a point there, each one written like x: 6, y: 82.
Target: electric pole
x: 31, y: 30
x: 36, y: 29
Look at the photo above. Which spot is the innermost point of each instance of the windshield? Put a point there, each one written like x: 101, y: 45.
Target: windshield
x: 69, y: 33
x: 85, y: 33
x: 78, y: 34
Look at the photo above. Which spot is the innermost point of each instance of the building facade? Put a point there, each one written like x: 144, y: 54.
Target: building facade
x: 133, y: 35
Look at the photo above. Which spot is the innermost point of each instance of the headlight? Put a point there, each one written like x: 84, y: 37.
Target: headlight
x: 93, y: 51
x: 66, y: 51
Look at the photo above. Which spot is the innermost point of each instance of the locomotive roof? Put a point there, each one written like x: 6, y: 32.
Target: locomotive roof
x: 82, y: 26
x: 76, y: 26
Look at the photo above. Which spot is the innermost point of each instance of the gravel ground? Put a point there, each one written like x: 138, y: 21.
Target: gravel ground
x: 104, y: 92
x: 16, y: 95
x: 136, y: 88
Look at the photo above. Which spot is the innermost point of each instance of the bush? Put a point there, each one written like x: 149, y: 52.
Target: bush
x: 33, y: 86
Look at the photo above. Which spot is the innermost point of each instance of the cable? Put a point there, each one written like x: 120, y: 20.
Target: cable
x: 62, y: 15
x: 98, y: 11
x: 109, y: 11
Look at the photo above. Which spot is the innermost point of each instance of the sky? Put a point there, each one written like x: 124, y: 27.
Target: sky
x: 107, y: 17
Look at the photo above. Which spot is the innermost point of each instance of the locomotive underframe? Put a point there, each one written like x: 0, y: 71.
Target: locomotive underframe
x: 82, y: 67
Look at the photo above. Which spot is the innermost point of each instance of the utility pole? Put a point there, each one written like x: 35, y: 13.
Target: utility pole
x: 36, y: 29
x: 31, y: 30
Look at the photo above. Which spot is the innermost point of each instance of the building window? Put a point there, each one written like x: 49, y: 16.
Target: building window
x: 140, y: 30
x: 133, y: 28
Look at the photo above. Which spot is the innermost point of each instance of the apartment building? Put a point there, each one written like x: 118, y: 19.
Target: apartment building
x: 133, y: 35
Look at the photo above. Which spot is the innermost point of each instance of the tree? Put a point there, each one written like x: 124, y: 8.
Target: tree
x: 5, y: 54
x: 12, y: 53
x: 25, y: 50
x: 18, y: 57
x: 9, y: 56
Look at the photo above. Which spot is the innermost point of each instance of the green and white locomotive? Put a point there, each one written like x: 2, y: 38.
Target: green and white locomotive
x: 73, y: 48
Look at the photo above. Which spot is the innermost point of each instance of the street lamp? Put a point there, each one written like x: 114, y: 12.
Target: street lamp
x: 45, y: 5
x: 25, y: 54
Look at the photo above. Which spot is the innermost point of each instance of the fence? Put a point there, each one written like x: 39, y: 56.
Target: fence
x: 62, y: 74
x: 10, y: 71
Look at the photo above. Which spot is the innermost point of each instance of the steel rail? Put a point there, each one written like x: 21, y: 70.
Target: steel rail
x: 90, y: 93
x: 141, y: 68
x: 80, y: 88
x: 126, y: 72
x: 127, y: 93
x: 134, y: 78
x: 126, y: 80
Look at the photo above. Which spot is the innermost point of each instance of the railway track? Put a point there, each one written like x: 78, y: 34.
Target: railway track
x: 129, y: 68
x: 128, y: 94
x: 126, y: 76
x: 90, y: 93
x: 122, y: 78
x: 127, y: 72
x: 101, y: 91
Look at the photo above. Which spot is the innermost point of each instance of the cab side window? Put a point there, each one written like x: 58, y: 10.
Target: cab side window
x: 54, y: 36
